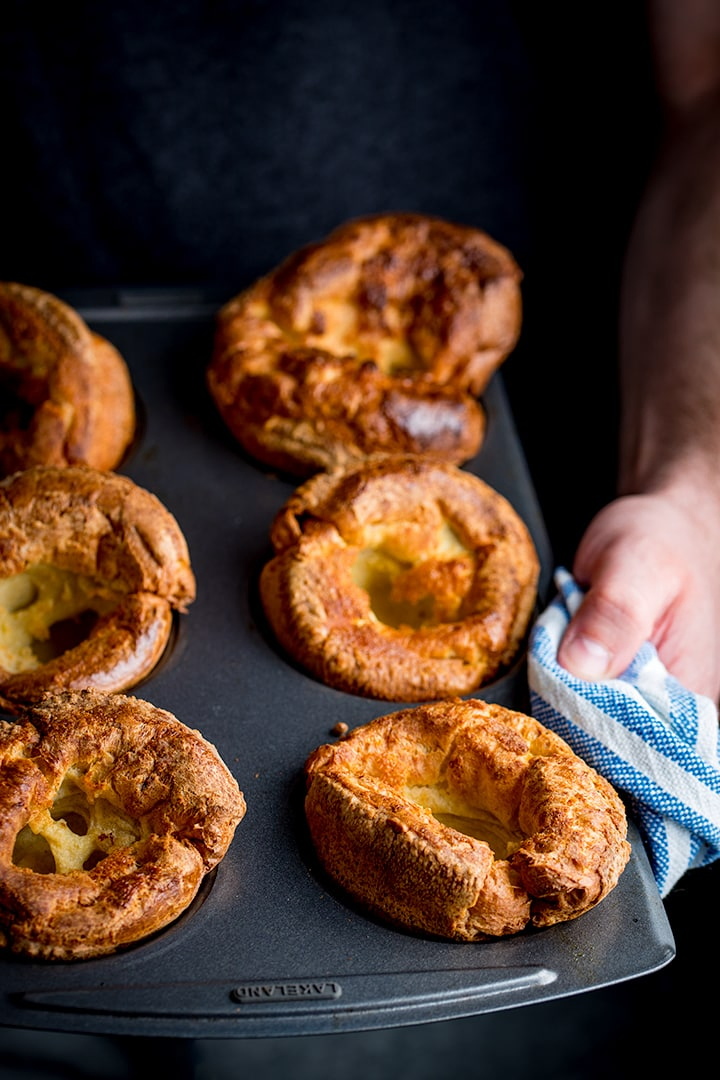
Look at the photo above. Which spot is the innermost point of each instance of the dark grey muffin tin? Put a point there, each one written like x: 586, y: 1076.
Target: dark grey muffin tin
x: 269, y: 948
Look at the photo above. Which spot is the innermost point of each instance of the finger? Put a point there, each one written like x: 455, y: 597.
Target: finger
x: 606, y: 632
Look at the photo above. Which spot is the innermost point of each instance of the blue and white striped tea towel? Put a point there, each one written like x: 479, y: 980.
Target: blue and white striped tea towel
x: 655, y: 741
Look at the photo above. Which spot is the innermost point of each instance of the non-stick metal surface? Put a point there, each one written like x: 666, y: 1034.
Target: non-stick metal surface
x: 269, y: 948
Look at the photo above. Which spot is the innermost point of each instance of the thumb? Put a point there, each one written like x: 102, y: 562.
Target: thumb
x: 600, y: 640
x: 617, y: 616
x: 634, y: 578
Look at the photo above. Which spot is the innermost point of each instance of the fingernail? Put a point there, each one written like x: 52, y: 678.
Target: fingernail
x: 586, y: 657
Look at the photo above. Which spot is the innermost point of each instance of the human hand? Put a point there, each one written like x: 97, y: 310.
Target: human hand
x: 651, y: 567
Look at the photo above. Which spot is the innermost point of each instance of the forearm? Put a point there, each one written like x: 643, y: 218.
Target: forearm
x: 650, y: 560
x: 670, y: 316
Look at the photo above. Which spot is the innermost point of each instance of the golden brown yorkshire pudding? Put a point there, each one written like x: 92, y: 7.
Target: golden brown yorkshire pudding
x: 66, y: 397
x: 111, y: 813
x: 376, y: 339
x: 92, y: 567
x: 464, y: 820
x: 400, y: 578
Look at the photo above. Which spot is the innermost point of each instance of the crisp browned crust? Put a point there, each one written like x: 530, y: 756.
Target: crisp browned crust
x: 373, y: 804
x: 66, y: 397
x: 108, y: 530
x: 376, y: 339
x: 126, y: 767
x: 400, y: 578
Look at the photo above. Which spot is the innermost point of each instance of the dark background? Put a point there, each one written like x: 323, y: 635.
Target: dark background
x: 197, y: 144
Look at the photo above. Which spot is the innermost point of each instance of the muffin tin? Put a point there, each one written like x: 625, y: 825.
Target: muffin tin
x: 268, y: 947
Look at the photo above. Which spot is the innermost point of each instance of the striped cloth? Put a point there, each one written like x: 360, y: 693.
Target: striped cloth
x: 655, y: 741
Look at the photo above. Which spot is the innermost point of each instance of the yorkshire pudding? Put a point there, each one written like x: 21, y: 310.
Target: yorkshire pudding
x: 376, y: 339
x: 92, y: 567
x: 464, y: 820
x: 400, y: 578
x: 111, y: 813
x: 65, y: 392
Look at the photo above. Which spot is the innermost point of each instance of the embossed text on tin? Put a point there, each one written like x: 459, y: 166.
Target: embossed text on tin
x: 286, y: 991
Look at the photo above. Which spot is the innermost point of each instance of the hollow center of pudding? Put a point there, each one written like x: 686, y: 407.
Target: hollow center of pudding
x: 356, y: 327
x: 45, y: 611
x: 414, y: 578
x: 477, y: 822
x: 75, y: 833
